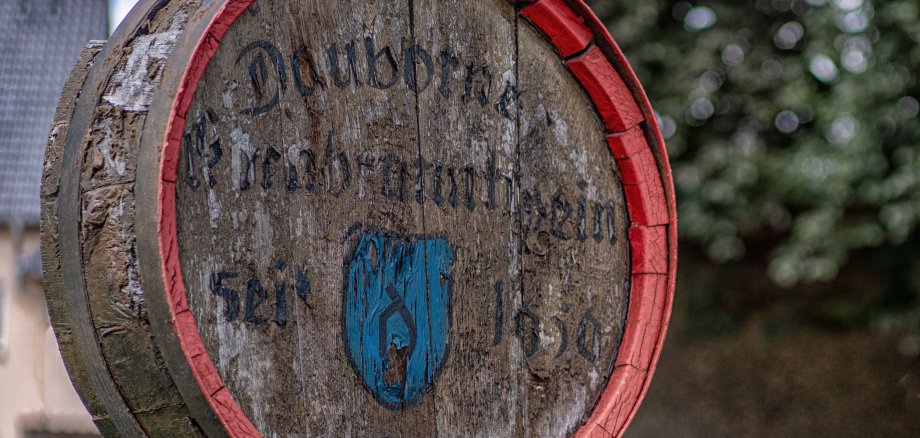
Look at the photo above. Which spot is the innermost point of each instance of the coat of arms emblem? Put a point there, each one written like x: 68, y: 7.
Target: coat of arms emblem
x: 396, y: 309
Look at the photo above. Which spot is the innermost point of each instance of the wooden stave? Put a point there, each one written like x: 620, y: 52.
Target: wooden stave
x: 149, y: 154
x: 151, y: 141
x: 111, y: 408
x: 51, y: 266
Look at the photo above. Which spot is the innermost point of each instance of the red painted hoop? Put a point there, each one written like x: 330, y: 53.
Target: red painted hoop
x: 586, y: 48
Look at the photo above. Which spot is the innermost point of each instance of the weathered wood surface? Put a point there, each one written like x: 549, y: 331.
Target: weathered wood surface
x: 88, y: 230
x: 52, y: 277
x: 391, y: 219
x: 535, y: 221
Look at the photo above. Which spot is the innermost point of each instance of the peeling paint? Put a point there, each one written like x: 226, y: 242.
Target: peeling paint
x: 214, y: 208
x: 131, y: 88
x: 239, y: 145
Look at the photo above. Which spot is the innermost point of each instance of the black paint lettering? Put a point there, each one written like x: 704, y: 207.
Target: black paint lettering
x: 373, y: 58
x: 583, y: 348
x: 485, y: 88
x: 280, y: 298
x: 452, y: 196
x: 469, y: 181
x: 255, y: 296
x: 534, y: 343
x: 508, y: 101
x: 258, y: 74
x: 302, y: 285
x: 231, y: 297
x: 611, y: 221
x: 393, y: 166
x: 491, y: 176
x: 301, y: 54
x: 582, y: 220
x: 449, y: 62
x: 410, y: 71
x: 247, y: 168
x: 396, y: 307
x: 337, y: 79
x: 281, y: 306
x: 308, y: 158
x: 534, y: 210
x: 188, y: 146
x: 563, y: 333
x: 421, y: 167
x: 336, y: 186
x: 598, y: 219
x: 197, y: 144
x: 271, y: 155
x: 437, y: 182
x: 365, y: 161
x: 214, y: 145
x: 509, y: 179
x: 562, y: 211
x: 499, y: 312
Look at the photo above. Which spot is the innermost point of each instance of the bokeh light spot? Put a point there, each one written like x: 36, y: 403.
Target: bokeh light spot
x: 699, y: 18
x: 733, y: 55
x: 909, y: 107
x: 823, y: 68
x: 787, y: 122
x: 789, y: 35
x: 842, y: 130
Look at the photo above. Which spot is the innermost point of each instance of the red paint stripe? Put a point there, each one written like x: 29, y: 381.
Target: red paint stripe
x: 614, y: 101
x: 626, y: 144
x: 221, y: 401
x: 649, y: 249
x: 645, y: 196
x: 565, y: 29
x: 622, y: 411
x: 646, y: 204
x: 644, y: 320
x: 640, y: 169
x: 622, y: 390
x: 622, y: 105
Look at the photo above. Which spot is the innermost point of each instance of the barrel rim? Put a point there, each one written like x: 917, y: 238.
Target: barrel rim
x: 148, y: 226
x: 663, y: 296
x: 631, y: 377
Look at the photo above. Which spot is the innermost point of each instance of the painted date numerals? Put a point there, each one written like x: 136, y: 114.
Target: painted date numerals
x: 527, y: 325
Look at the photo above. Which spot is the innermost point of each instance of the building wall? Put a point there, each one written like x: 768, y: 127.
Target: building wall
x: 35, y: 391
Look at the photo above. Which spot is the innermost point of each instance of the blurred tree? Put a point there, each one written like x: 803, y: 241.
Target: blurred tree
x: 791, y: 124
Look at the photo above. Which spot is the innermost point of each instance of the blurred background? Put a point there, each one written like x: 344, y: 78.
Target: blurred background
x: 793, y: 132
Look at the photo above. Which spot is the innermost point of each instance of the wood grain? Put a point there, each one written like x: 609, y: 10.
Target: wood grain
x: 402, y: 120
x: 576, y: 253
x: 50, y: 241
x: 91, y: 203
x: 359, y: 218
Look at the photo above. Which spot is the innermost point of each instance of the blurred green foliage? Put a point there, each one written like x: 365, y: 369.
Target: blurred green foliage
x: 792, y: 125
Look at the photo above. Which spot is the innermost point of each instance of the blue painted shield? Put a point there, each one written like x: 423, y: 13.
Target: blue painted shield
x: 397, y: 314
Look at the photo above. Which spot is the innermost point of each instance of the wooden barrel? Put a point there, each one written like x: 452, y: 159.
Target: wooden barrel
x: 358, y: 218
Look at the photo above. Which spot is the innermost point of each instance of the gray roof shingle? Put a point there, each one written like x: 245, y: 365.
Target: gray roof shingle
x: 39, y: 43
